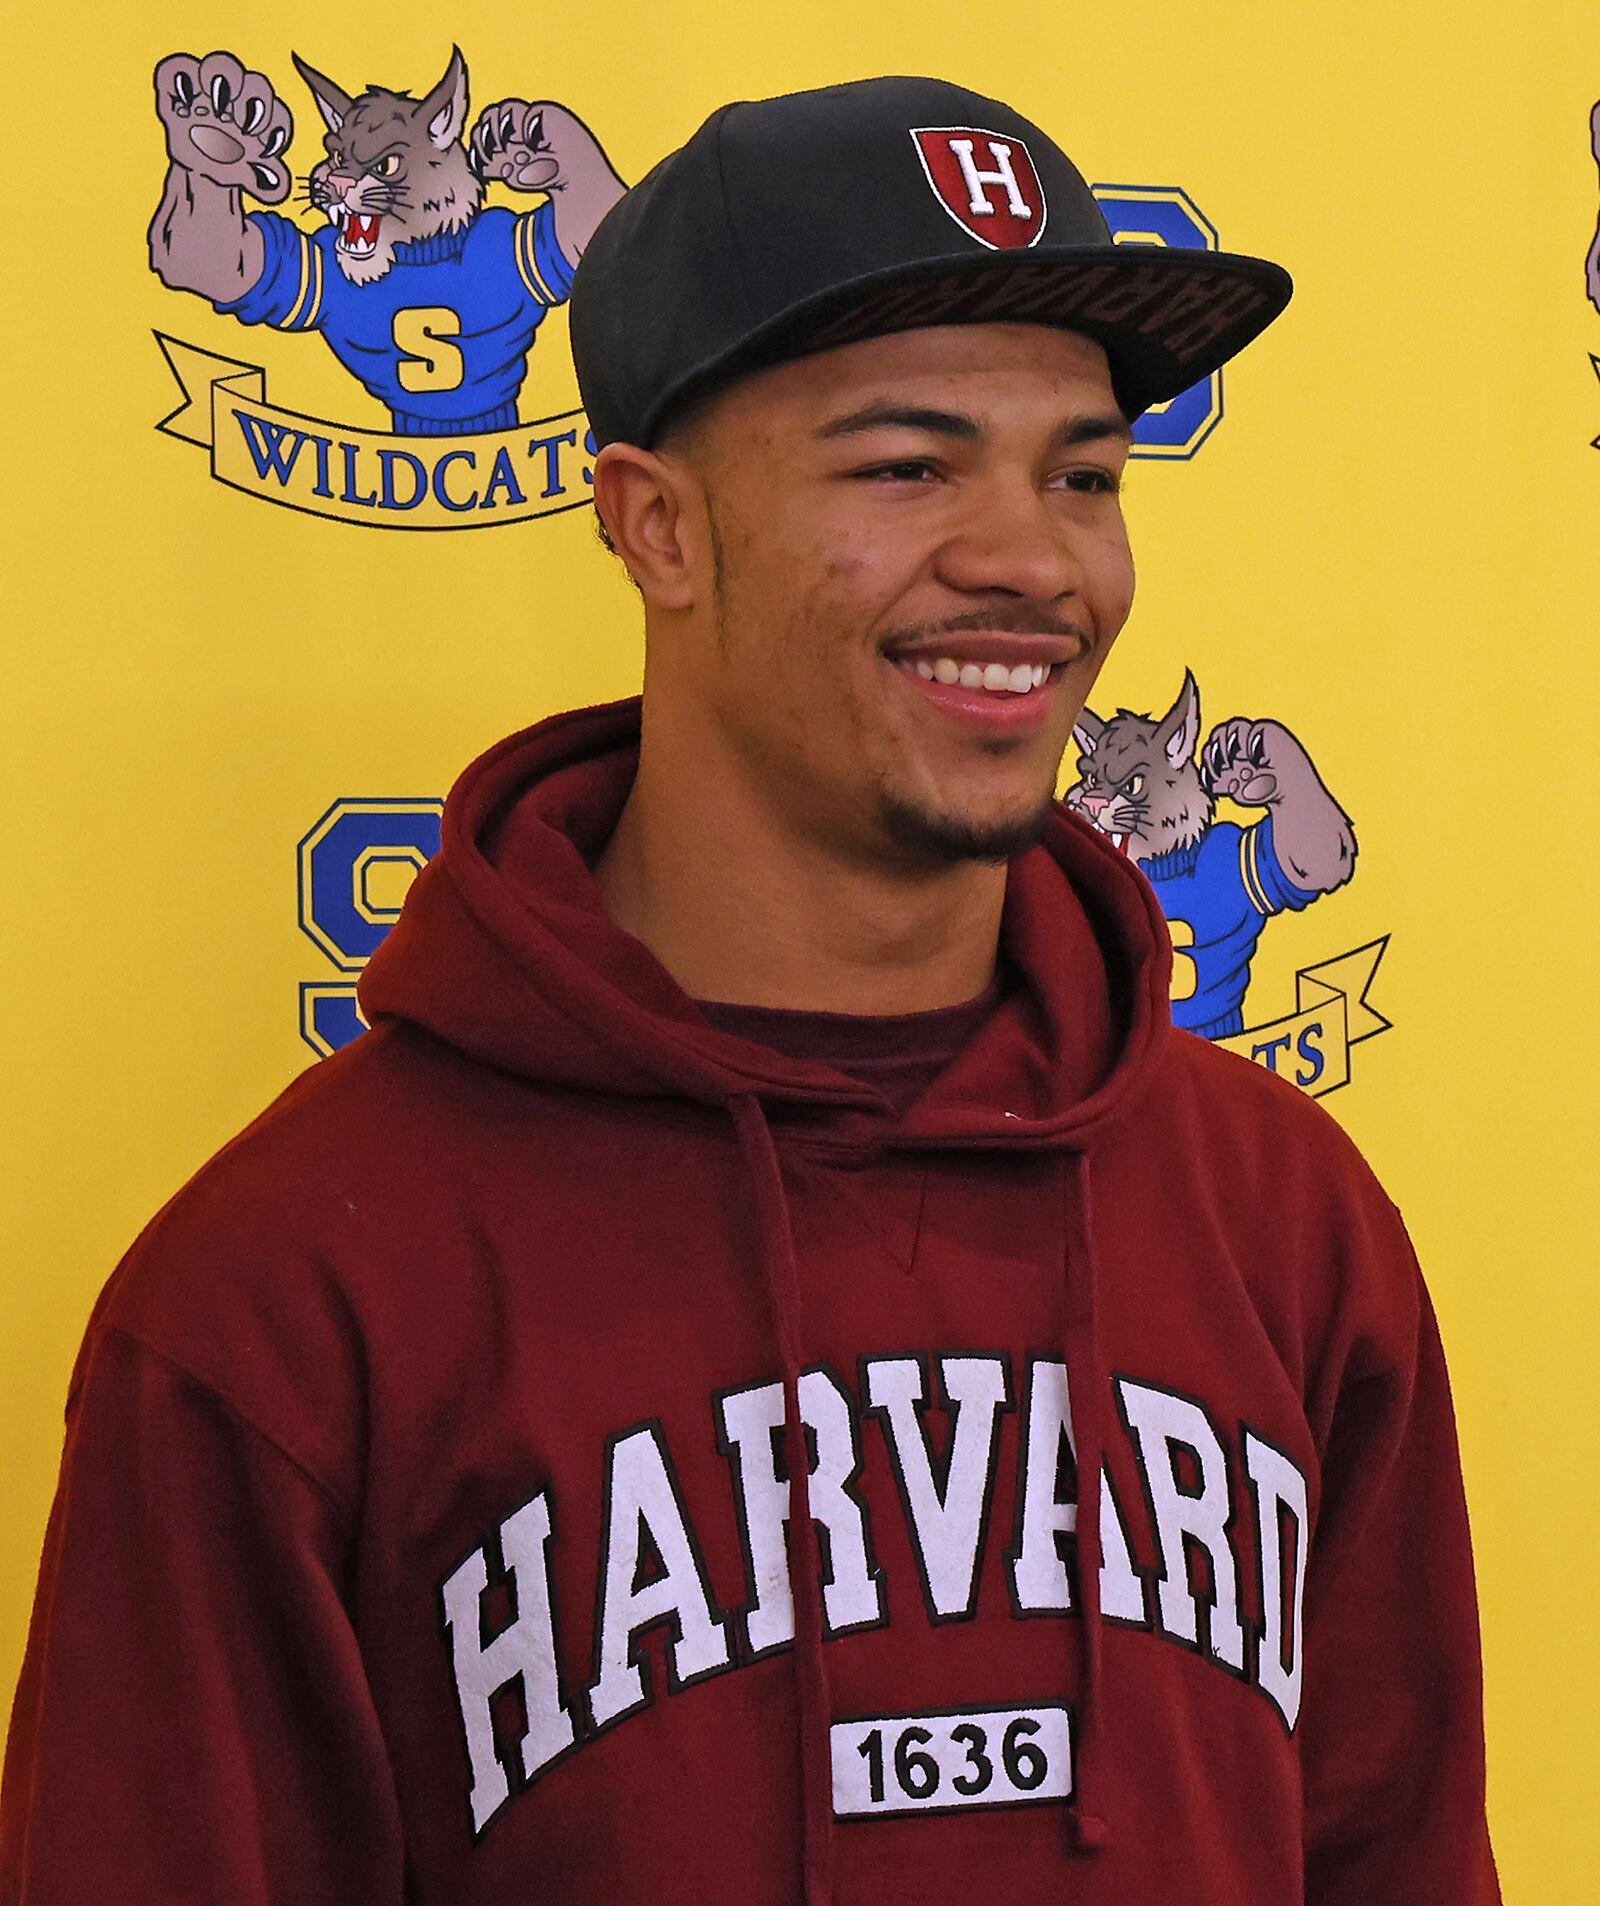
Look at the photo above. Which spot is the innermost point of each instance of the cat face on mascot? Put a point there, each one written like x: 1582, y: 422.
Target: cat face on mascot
x: 396, y: 168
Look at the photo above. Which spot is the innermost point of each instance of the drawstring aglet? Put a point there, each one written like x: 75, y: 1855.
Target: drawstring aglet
x: 1089, y: 1832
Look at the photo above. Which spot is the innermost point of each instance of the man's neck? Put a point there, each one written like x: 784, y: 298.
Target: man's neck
x: 739, y: 908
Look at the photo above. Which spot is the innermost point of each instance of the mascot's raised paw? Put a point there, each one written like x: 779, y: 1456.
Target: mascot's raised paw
x: 526, y: 144
x: 225, y: 124
x: 1245, y: 760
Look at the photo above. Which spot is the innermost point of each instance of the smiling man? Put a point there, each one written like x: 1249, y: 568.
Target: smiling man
x: 773, y: 1376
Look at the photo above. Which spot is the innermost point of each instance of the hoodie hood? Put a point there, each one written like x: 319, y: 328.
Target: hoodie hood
x: 505, y: 951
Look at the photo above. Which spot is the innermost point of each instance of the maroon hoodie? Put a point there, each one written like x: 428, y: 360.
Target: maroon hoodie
x: 564, y: 1452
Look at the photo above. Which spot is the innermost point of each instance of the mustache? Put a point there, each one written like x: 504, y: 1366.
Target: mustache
x: 1015, y: 618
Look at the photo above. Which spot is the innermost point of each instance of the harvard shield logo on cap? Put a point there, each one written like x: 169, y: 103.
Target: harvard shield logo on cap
x: 986, y: 181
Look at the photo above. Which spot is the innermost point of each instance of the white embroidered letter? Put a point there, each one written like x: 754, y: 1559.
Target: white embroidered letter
x: 1004, y: 174
x: 1039, y: 1576
x: 1277, y: 1485
x: 643, y: 1507
x: 851, y: 1596
x: 525, y: 1651
x: 946, y: 1522
x: 1164, y: 1424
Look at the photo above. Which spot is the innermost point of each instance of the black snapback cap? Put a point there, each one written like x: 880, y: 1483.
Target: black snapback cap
x: 817, y: 219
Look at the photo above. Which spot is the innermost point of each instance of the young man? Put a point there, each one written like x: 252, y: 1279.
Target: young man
x: 773, y: 1374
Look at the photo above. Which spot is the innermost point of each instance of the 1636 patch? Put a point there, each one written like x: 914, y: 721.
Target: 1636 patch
x: 944, y: 1763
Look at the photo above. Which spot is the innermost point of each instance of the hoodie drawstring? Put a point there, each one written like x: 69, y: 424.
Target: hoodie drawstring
x: 1087, y: 1383
x: 782, y: 1276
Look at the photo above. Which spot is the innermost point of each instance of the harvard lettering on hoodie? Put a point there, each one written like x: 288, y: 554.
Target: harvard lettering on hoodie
x: 565, y: 1451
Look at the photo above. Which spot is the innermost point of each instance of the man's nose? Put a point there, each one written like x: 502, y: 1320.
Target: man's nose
x: 1012, y: 542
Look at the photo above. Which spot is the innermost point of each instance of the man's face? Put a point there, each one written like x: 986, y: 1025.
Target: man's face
x: 920, y: 565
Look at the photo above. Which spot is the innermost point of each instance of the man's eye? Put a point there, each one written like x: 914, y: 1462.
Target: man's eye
x: 906, y: 470
x: 1093, y: 482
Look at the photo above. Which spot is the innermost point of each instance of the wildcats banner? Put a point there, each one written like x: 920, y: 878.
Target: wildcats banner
x: 1311, y: 1046
x: 373, y: 477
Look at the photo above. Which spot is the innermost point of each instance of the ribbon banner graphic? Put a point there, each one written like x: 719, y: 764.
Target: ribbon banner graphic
x: 374, y: 478
x: 1310, y: 1047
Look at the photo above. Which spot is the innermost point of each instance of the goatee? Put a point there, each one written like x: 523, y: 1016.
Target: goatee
x: 946, y: 838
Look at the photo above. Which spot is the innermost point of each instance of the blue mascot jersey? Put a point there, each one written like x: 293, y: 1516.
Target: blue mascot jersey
x: 442, y: 338
x: 1217, y: 895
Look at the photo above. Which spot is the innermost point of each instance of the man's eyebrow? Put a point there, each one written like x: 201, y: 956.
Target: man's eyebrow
x: 953, y: 423
x: 1091, y: 430
x: 937, y: 423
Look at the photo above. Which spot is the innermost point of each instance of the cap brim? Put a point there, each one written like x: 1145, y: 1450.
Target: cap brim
x: 1166, y: 317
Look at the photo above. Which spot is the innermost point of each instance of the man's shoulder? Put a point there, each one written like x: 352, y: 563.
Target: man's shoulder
x: 312, y: 1197
x: 1279, y: 1191
x: 1239, y: 1088
x: 343, y: 1115
x: 1258, y: 1131
x: 310, y: 1244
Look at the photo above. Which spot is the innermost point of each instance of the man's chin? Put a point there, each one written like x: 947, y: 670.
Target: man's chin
x: 944, y: 839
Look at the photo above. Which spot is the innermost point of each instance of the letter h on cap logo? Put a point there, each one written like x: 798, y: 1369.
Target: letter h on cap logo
x: 986, y: 181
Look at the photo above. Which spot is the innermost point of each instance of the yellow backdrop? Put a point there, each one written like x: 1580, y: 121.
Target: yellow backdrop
x: 1387, y: 542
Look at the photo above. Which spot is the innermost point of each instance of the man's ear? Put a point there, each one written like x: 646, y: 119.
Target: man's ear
x: 653, y: 509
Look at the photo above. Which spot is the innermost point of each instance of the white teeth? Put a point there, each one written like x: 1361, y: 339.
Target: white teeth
x: 998, y: 678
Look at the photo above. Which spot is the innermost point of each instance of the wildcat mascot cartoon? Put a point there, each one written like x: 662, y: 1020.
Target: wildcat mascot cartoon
x: 427, y: 296
x: 1218, y: 883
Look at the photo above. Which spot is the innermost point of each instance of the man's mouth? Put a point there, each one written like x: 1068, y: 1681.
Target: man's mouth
x: 357, y: 235
x: 995, y: 677
x: 986, y: 678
